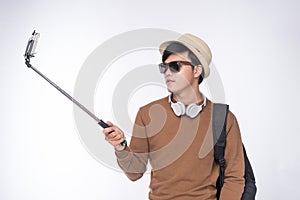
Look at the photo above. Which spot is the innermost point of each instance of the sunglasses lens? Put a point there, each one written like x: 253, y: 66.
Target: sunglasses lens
x: 174, y: 66
x: 162, y: 68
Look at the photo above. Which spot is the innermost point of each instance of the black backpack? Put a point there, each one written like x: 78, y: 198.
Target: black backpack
x: 219, y: 133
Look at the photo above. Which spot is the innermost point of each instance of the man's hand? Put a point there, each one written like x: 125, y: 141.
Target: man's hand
x: 114, y: 135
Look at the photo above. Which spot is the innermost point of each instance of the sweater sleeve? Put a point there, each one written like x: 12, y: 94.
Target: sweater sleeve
x: 133, y: 160
x: 234, y: 168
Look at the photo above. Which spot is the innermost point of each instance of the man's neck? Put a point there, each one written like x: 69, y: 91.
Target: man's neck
x: 188, y: 97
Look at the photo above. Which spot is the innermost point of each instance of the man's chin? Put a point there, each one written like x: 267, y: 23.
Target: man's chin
x: 172, y: 90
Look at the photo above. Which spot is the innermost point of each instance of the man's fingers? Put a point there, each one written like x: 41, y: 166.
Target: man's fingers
x: 115, y: 136
x: 109, y: 123
x: 108, y: 130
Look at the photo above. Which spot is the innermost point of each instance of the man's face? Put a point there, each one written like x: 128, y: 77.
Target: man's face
x: 178, y: 82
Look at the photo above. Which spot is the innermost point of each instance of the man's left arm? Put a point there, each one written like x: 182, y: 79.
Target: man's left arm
x: 234, y: 157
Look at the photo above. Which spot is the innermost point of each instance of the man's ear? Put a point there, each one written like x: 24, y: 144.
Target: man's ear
x: 197, y: 71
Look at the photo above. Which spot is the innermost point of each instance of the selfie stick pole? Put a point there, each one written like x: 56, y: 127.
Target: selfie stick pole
x: 30, y: 52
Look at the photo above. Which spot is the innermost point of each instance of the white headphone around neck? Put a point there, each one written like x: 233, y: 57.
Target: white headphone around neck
x: 192, y: 110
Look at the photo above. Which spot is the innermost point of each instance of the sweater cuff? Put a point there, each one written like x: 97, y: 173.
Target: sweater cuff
x: 123, y: 153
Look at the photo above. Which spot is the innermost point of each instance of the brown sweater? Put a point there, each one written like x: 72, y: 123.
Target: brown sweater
x: 180, y: 152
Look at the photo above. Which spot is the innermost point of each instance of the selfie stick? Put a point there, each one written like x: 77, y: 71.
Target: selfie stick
x: 30, y: 52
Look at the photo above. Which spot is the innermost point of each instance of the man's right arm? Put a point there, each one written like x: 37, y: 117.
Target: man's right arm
x: 132, y: 159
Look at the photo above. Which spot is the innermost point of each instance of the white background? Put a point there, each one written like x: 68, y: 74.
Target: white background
x: 255, y: 47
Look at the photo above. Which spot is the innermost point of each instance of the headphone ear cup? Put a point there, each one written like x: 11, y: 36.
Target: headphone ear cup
x: 193, y: 110
x: 178, y: 108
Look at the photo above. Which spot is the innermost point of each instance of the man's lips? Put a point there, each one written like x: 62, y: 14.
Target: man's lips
x: 169, y: 81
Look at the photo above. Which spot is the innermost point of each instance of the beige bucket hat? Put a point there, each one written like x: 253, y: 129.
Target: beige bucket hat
x: 196, y: 45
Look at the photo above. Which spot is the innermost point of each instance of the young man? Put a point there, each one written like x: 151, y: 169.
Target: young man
x: 174, y: 133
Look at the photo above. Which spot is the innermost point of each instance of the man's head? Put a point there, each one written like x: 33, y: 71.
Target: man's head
x: 198, y: 52
x: 180, y: 53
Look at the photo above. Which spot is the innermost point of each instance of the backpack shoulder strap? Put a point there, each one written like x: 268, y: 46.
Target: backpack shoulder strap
x: 219, y: 117
x: 219, y: 123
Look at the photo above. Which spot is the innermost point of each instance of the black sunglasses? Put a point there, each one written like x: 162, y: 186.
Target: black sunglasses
x: 173, y: 66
